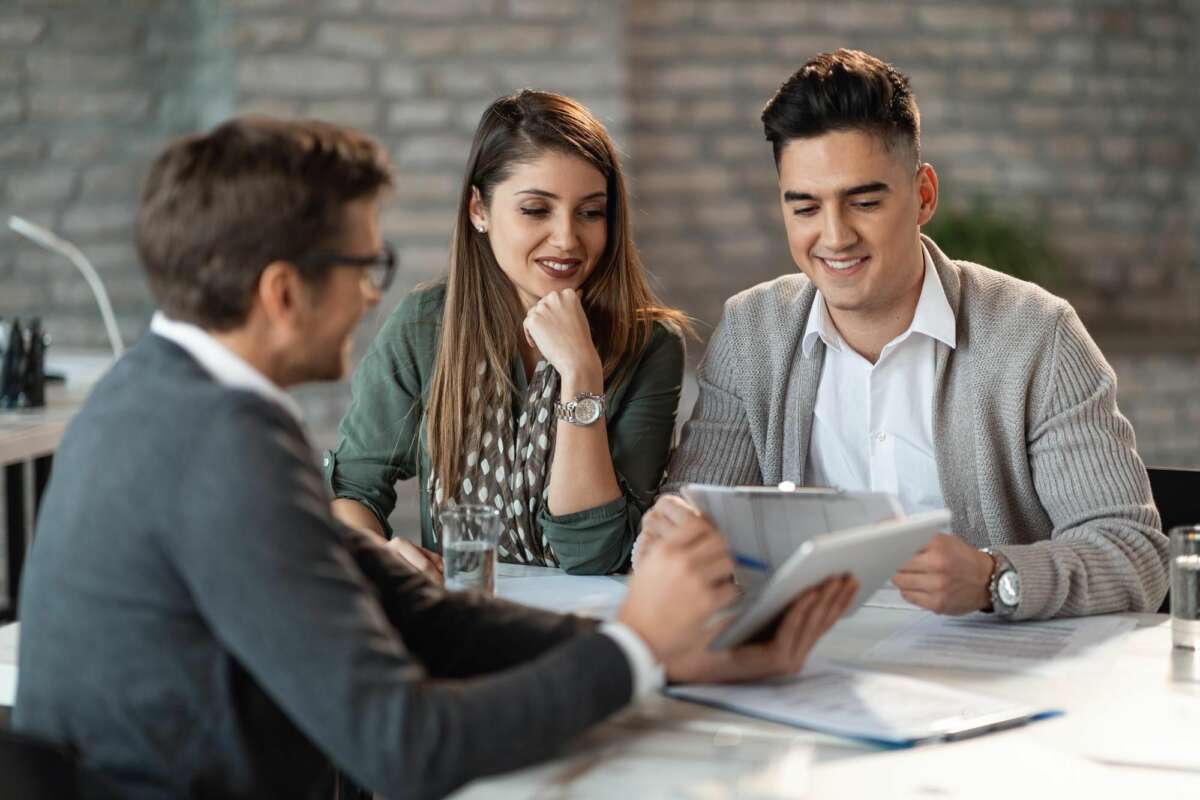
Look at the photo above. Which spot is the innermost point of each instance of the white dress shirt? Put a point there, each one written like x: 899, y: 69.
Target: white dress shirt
x: 873, y: 423
x: 229, y: 369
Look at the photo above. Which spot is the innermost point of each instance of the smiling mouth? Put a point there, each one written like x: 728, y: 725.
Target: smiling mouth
x: 842, y: 264
x: 559, y: 267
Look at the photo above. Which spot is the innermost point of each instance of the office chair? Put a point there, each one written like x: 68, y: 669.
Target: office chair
x: 34, y: 769
x: 1177, y: 495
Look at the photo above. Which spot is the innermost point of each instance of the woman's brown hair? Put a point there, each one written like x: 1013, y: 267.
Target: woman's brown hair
x: 482, y: 316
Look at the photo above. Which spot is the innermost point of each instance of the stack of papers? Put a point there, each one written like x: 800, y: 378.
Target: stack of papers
x: 884, y: 709
x: 985, y: 642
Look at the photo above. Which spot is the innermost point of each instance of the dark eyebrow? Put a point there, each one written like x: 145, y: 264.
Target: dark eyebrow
x: 553, y: 196
x: 792, y: 196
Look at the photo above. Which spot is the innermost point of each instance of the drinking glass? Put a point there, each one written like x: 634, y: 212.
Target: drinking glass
x: 470, y: 536
x: 1185, y: 587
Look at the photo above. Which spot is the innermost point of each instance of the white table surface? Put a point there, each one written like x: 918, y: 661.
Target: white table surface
x: 671, y: 749
x: 8, y: 664
x: 666, y: 748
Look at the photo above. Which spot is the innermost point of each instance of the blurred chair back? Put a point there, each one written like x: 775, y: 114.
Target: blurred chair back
x: 1177, y: 496
x: 33, y: 769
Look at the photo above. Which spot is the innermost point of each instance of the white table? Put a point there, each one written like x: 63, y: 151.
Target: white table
x: 665, y: 748
x: 668, y: 748
x: 8, y: 666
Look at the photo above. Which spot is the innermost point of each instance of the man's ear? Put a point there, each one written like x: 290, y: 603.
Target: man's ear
x: 927, y: 193
x: 280, y: 291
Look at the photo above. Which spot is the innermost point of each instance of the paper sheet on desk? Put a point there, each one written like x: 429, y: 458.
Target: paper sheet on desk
x: 589, y: 596
x: 984, y: 642
x: 878, y: 707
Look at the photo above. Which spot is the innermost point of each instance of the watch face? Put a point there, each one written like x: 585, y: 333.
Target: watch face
x: 587, y: 410
x: 1009, y: 588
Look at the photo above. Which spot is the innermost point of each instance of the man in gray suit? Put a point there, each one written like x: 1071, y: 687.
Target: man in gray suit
x: 888, y: 366
x: 194, y: 621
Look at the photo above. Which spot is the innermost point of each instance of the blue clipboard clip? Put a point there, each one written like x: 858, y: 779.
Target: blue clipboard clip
x: 750, y: 563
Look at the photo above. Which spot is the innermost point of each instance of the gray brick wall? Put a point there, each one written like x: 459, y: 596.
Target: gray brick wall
x: 1076, y: 113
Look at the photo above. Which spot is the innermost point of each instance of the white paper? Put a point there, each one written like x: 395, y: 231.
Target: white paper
x: 988, y: 643
x: 861, y: 704
x: 591, y: 596
x: 889, y: 597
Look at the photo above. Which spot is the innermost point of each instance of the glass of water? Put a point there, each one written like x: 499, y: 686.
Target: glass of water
x: 1185, y: 587
x: 470, y: 535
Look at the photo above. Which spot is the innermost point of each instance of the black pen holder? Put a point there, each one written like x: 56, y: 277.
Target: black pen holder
x: 23, y: 365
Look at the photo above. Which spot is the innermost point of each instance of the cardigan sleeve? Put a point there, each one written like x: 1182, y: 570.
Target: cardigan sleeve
x: 1106, y: 551
x: 599, y: 540
x: 716, y: 446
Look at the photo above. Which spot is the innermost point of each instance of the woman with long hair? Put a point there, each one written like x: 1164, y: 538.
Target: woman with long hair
x: 541, y: 377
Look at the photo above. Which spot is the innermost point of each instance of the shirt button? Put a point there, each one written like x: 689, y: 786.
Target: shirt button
x: 881, y: 436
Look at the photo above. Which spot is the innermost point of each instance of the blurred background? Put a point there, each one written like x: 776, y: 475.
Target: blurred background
x: 1063, y: 130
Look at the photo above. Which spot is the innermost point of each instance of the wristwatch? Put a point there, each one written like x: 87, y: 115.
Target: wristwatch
x: 585, y: 409
x: 1004, y: 586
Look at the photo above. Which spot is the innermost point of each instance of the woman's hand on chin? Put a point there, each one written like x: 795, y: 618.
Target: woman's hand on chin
x: 558, y: 327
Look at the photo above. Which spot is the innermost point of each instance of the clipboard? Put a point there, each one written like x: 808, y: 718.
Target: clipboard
x: 872, y: 553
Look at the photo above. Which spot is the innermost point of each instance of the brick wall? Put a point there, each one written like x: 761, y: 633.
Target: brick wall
x: 1080, y: 115
x: 1076, y: 113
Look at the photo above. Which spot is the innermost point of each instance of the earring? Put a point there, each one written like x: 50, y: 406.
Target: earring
x: 480, y: 227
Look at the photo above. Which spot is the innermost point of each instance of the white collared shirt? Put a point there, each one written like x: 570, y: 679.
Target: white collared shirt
x: 226, y: 367
x: 873, y: 423
x: 229, y: 369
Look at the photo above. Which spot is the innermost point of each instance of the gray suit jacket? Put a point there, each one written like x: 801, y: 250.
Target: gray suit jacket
x: 1033, y: 456
x: 196, y: 624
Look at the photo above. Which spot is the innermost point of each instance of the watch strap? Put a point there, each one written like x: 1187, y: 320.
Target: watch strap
x: 565, y: 412
x: 1002, y: 565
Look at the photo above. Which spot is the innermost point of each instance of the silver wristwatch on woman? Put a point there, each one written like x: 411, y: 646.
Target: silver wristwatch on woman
x: 585, y: 409
x: 1004, y: 586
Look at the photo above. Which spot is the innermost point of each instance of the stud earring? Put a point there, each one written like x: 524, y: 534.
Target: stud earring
x: 480, y: 227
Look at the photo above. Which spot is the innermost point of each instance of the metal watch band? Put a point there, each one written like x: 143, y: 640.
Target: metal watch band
x: 1003, y: 565
x: 566, y: 412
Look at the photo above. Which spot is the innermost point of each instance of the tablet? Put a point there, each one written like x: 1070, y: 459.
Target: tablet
x: 871, y: 553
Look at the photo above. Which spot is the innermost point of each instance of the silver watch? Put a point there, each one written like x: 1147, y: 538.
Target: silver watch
x: 585, y: 409
x: 1004, y: 586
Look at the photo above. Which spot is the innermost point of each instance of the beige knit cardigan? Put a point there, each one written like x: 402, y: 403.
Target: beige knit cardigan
x: 1033, y: 456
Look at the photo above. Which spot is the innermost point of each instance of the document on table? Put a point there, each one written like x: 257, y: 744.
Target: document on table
x: 886, y: 709
x: 985, y: 642
x: 586, y: 595
x: 889, y: 597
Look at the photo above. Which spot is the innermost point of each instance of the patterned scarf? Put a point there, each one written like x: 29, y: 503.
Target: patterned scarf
x: 507, y: 466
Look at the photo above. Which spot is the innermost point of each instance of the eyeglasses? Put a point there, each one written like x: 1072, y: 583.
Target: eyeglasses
x: 381, y: 268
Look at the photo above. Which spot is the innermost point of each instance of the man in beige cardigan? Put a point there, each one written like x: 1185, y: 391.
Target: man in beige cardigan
x: 887, y: 366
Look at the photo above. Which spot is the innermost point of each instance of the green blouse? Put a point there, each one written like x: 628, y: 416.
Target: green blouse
x: 382, y: 438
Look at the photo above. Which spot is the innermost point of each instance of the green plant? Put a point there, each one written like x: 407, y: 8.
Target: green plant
x: 995, y: 240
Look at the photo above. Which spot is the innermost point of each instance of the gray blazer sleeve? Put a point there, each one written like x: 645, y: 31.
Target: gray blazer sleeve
x: 274, y: 578
x: 1106, y: 551
x: 716, y: 445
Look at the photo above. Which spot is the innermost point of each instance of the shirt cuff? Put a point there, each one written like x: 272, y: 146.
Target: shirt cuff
x: 648, y: 675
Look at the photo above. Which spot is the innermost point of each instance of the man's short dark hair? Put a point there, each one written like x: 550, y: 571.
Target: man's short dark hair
x: 217, y: 208
x: 846, y: 90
